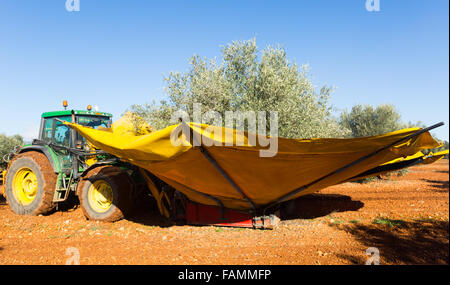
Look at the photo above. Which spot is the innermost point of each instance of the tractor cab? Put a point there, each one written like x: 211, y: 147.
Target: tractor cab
x: 52, y: 130
x: 63, y: 139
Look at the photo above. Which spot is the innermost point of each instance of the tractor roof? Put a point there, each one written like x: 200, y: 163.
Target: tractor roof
x: 76, y: 112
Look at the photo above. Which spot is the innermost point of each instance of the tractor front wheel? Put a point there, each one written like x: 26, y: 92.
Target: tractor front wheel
x: 30, y: 184
x: 105, y: 194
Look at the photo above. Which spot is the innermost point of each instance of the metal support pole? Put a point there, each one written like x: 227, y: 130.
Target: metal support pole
x: 217, y: 166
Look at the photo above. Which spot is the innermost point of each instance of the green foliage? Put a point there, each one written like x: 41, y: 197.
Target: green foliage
x: 402, y: 172
x: 410, y: 124
x: 247, y: 79
x: 368, y: 179
x: 369, y: 121
x: 7, y: 144
x: 388, y: 222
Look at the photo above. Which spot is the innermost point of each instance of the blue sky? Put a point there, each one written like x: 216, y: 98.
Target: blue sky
x: 114, y: 53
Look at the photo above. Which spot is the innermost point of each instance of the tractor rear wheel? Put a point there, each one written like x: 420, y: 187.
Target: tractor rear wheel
x: 30, y: 184
x: 105, y: 194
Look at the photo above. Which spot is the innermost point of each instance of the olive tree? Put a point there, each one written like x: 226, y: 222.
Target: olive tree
x: 369, y: 121
x: 248, y: 79
x: 7, y: 144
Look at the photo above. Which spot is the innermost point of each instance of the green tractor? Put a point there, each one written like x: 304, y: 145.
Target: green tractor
x: 60, y: 164
x: 44, y: 173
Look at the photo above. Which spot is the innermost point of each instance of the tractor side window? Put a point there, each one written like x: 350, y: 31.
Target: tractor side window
x: 47, y: 131
x: 62, y: 134
x: 54, y: 131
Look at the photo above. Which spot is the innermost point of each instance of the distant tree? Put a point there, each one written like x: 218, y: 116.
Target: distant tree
x: 7, y: 144
x: 369, y: 121
x: 366, y: 120
x: 247, y: 79
x: 410, y: 124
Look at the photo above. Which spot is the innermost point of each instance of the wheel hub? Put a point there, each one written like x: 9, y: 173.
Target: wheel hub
x: 100, y: 196
x: 25, y: 186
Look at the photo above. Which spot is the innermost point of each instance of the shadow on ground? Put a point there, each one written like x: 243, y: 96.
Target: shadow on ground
x: 71, y: 204
x: 438, y: 185
x: 318, y: 205
x: 2, y: 200
x: 312, y: 206
x: 416, y: 242
x: 146, y: 212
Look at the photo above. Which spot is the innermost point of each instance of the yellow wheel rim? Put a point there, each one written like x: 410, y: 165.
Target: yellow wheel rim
x: 100, y: 196
x: 25, y: 186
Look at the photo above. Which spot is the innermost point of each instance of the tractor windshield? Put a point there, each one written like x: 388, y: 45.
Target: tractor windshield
x: 94, y: 121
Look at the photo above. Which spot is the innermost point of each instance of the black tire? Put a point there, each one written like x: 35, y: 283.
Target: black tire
x: 121, y: 188
x: 46, y: 184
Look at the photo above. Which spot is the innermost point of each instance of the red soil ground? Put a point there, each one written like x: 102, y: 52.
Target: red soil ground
x: 405, y: 218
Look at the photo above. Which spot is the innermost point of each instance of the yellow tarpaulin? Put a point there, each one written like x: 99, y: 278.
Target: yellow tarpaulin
x: 427, y: 158
x: 433, y: 157
x: 401, y: 163
x: 307, y: 163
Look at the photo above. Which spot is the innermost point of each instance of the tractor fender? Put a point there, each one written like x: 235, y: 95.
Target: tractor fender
x: 111, y: 162
x: 97, y: 164
x: 42, y: 149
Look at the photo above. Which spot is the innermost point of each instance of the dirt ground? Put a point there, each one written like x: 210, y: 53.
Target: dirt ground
x: 405, y: 219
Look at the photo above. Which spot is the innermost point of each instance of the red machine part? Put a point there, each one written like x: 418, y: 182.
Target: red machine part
x: 197, y: 214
